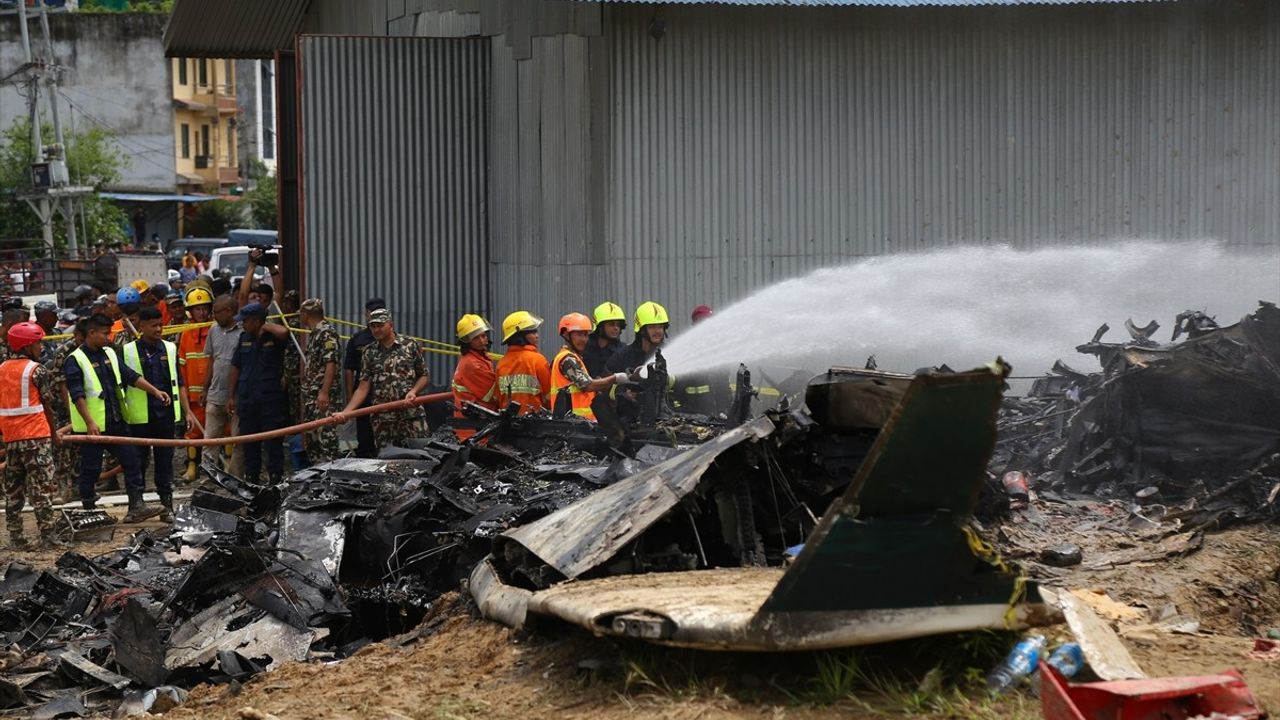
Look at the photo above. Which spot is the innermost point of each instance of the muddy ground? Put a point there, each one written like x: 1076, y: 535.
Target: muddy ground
x: 456, y: 665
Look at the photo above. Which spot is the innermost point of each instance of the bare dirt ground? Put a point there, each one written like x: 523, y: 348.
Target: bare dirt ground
x: 457, y: 665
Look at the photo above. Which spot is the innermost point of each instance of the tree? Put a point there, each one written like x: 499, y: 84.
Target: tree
x: 262, y: 198
x: 214, y: 218
x: 93, y: 159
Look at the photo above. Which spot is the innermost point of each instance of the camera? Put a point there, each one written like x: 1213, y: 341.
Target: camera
x: 270, y: 256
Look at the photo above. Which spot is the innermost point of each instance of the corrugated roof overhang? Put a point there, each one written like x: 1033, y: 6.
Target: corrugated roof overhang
x: 232, y: 28
x: 885, y: 3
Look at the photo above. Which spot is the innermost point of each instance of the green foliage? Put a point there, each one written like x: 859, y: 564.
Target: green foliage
x: 127, y: 6
x: 214, y: 218
x: 262, y: 198
x: 92, y: 160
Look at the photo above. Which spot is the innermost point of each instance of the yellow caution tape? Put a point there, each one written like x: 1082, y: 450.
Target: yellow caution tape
x: 988, y: 554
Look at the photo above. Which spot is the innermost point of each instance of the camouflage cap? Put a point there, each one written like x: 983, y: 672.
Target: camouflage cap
x: 46, y: 306
x: 313, y: 305
x: 381, y: 315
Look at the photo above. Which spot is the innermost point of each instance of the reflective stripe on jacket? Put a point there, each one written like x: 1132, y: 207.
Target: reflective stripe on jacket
x: 21, y: 412
x: 579, y: 399
x: 474, y: 381
x: 523, y: 377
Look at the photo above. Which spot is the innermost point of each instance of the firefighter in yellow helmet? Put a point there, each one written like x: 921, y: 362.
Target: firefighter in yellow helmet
x: 572, y: 387
x: 651, y: 324
x: 523, y: 374
x: 474, y: 380
x: 605, y: 340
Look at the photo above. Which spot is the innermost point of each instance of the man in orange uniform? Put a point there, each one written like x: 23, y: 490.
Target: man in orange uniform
x: 475, y: 380
x: 572, y: 389
x: 193, y: 366
x: 523, y: 374
x: 27, y: 423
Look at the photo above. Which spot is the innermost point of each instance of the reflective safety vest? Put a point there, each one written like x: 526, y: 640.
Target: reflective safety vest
x: 93, y: 401
x: 523, y: 377
x: 579, y: 399
x: 136, y: 411
x: 21, y: 412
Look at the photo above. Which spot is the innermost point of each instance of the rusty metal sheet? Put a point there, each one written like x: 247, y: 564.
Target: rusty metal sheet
x: 580, y: 536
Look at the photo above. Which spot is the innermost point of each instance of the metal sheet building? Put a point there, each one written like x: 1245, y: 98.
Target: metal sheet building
x: 691, y: 153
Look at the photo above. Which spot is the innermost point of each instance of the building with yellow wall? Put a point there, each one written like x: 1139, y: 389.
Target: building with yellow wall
x: 204, y: 102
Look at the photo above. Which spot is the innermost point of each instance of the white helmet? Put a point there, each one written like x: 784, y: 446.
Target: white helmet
x: 174, y: 276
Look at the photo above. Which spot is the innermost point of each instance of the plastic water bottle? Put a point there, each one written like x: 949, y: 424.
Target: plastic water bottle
x: 1021, y: 662
x: 1068, y: 659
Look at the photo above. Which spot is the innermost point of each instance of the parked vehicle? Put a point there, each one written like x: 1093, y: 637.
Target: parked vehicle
x: 179, y: 247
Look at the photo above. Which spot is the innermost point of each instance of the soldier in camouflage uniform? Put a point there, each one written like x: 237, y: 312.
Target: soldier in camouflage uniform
x: 391, y: 368
x: 320, y: 385
x: 26, y: 423
x: 66, y: 457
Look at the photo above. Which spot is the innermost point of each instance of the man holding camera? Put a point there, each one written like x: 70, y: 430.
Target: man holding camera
x: 252, y: 291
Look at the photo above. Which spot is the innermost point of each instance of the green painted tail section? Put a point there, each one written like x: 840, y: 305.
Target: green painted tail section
x: 895, y: 538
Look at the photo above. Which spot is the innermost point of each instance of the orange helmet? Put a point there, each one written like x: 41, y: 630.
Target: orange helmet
x: 24, y: 334
x: 575, y: 321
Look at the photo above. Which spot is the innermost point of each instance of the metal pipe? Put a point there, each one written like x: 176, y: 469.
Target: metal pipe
x: 335, y: 419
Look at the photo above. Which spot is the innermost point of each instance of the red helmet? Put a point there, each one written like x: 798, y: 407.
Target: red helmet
x: 23, y: 334
x: 575, y: 321
x: 701, y: 313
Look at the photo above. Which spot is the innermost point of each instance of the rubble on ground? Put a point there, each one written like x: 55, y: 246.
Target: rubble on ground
x: 1186, y: 431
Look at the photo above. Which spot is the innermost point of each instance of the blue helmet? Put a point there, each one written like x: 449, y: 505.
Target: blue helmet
x: 127, y: 295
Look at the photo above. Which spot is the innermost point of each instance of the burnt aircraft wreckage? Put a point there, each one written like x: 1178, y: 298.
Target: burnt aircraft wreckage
x: 837, y: 520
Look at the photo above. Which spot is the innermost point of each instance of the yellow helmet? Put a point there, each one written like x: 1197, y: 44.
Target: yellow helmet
x: 471, y: 325
x: 139, y: 285
x: 651, y: 313
x: 519, y: 321
x: 199, y: 296
x: 607, y: 311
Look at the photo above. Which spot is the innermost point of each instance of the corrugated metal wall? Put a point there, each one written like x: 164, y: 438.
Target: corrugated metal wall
x: 394, y: 136
x: 750, y: 145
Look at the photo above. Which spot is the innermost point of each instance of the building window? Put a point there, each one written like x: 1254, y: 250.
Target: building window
x: 202, y: 72
x: 186, y: 141
x: 204, y: 140
x: 182, y: 71
x: 228, y: 78
x: 231, y: 145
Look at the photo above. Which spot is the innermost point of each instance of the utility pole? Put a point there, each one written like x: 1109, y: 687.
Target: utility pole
x: 52, y: 189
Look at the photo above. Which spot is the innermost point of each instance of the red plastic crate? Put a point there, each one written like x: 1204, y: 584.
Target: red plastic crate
x: 1175, y: 698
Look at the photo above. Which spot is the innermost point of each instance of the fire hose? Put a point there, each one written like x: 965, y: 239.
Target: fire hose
x: 335, y: 419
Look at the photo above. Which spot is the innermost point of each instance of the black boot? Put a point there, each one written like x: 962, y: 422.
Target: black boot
x: 166, y: 508
x: 138, y: 510
x: 90, y: 503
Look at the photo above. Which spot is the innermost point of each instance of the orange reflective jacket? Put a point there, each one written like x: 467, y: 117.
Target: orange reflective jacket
x: 474, y: 381
x: 523, y: 377
x: 21, y: 412
x: 580, y: 400
x: 193, y: 366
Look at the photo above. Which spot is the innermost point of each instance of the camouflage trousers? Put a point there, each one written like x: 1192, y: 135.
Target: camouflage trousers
x: 28, y: 476
x: 397, y: 426
x: 66, y: 469
x: 321, y: 445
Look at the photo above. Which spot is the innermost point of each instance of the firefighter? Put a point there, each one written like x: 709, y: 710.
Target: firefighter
x: 26, y: 423
x: 193, y: 365
x: 572, y: 387
x: 651, y: 324
x: 606, y: 337
x: 475, y: 379
x: 705, y: 393
x: 523, y: 374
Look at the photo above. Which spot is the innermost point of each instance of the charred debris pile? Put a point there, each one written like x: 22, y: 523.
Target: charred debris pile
x: 1190, y: 427
x: 356, y: 551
